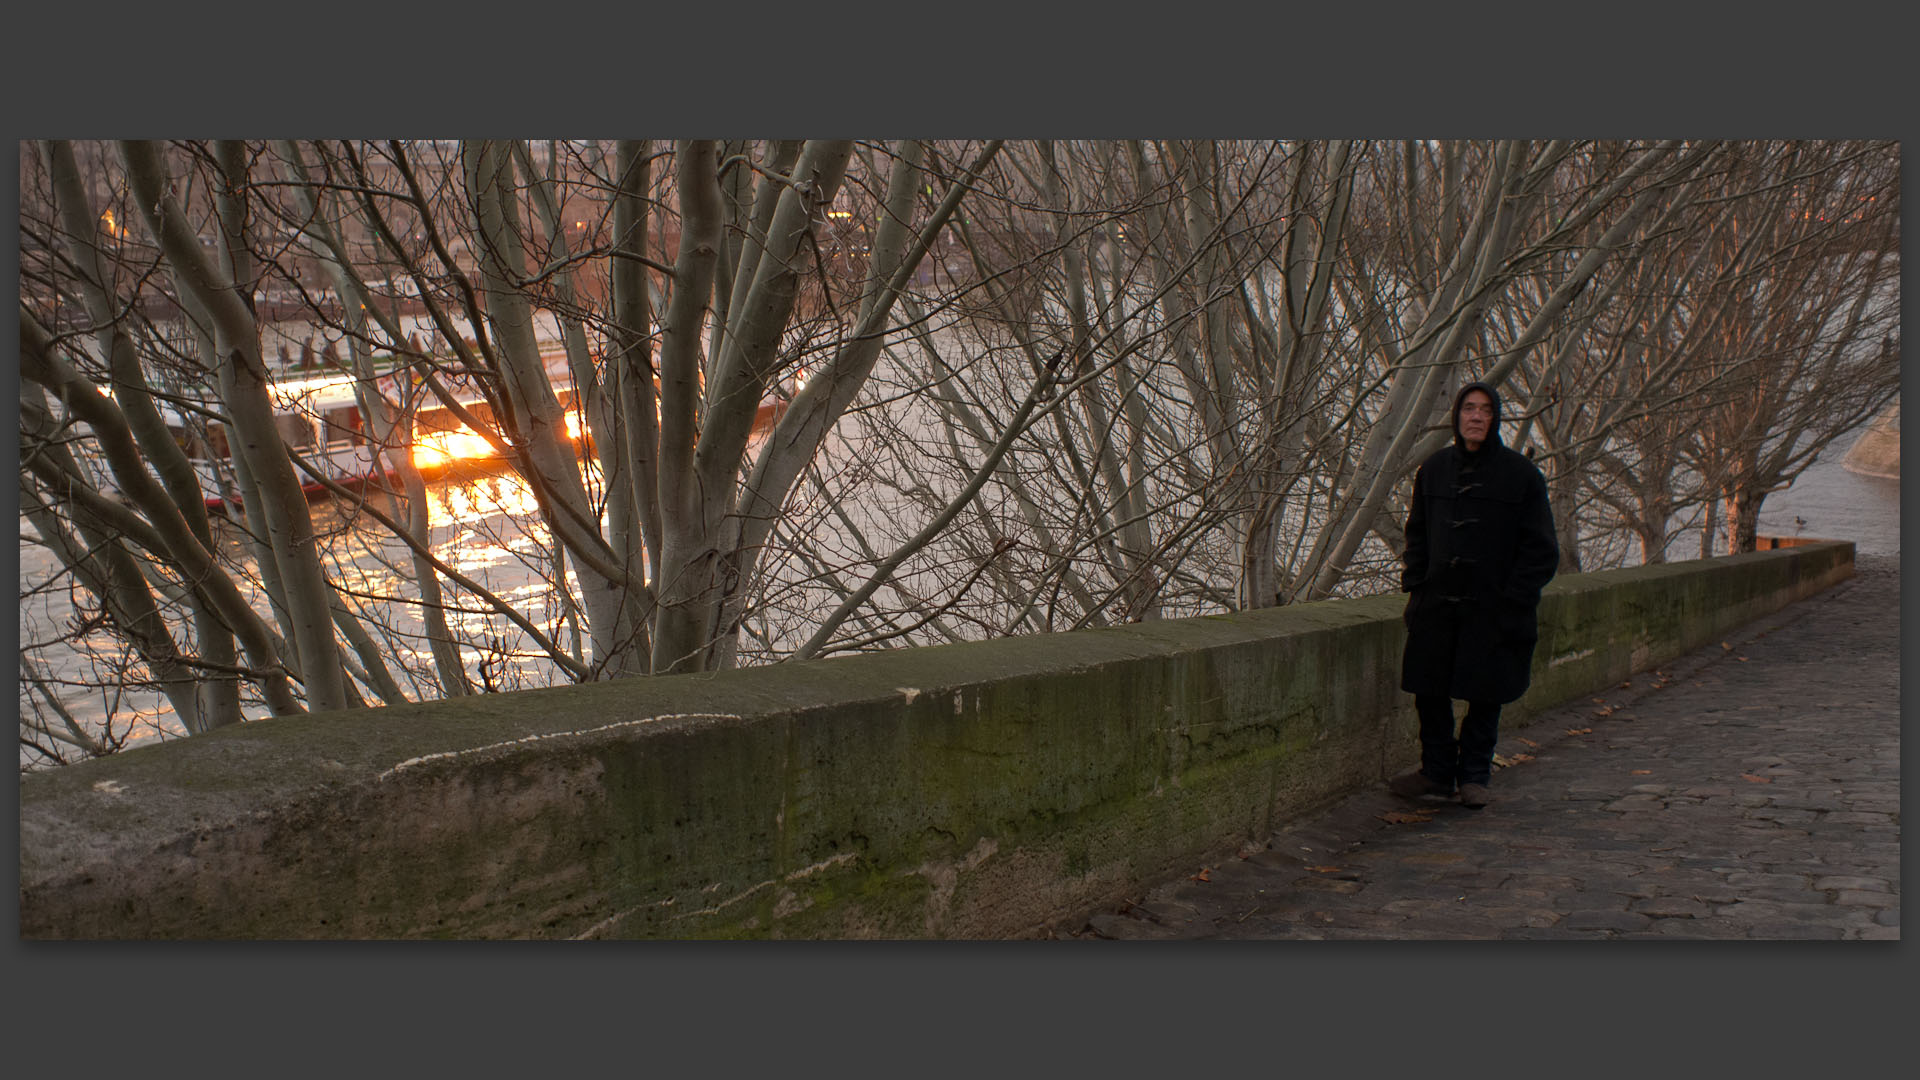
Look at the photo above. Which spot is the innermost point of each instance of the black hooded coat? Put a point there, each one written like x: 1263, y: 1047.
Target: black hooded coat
x: 1480, y: 547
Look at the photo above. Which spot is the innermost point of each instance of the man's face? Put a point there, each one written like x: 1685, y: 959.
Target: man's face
x: 1476, y: 418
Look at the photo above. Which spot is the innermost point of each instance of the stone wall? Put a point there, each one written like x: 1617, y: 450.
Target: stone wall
x: 989, y: 789
x: 1877, y: 451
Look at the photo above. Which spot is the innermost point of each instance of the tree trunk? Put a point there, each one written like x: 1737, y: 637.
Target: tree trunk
x: 217, y: 700
x: 799, y: 434
x: 630, y: 459
x: 686, y: 556
x: 1743, y: 519
x: 548, y: 458
x: 1562, y: 493
x: 243, y: 381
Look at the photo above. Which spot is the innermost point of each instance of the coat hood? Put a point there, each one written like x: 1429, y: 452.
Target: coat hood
x: 1493, y: 429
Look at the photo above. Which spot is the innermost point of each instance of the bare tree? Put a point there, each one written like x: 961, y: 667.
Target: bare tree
x: 1811, y: 350
x: 749, y: 401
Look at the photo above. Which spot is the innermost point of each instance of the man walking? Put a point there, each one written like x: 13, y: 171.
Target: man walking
x: 1480, y: 546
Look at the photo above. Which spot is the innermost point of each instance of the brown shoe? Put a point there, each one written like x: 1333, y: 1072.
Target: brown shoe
x: 1414, y: 784
x: 1474, y: 796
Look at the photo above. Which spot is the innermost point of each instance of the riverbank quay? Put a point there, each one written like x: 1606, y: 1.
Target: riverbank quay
x: 1749, y: 790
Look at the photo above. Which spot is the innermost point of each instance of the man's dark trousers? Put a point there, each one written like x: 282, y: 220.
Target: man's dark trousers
x: 1466, y: 760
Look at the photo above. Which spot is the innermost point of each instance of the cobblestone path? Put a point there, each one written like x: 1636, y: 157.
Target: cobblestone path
x: 1742, y: 792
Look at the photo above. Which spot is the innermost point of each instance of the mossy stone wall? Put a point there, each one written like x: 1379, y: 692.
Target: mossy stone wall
x: 989, y: 789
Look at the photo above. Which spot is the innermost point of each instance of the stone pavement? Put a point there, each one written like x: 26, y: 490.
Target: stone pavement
x: 1751, y: 791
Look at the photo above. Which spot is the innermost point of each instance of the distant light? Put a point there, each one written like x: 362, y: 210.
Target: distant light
x: 441, y: 447
x: 843, y: 214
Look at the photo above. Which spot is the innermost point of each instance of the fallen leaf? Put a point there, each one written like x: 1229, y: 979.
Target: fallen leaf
x: 1726, y: 646
x: 1518, y: 758
x: 1402, y: 817
x: 1743, y: 659
x: 1501, y: 762
x: 1529, y: 742
x: 1201, y: 876
x: 1752, y: 779
x: 1608, y: 711
x: 1579, y: 731
x: 1643, y: 772
x: 1324, y: 869
x: 1599, y: 701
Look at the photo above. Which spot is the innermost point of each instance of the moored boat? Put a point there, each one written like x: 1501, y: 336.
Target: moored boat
x: 319, y: 418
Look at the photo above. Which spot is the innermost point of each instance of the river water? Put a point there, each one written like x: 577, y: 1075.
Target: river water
x: 1829, y: 502
x: 481, y: 528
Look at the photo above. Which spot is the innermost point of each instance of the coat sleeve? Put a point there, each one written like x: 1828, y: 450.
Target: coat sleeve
x: 1536, y: 553
x: 1415, y: 558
